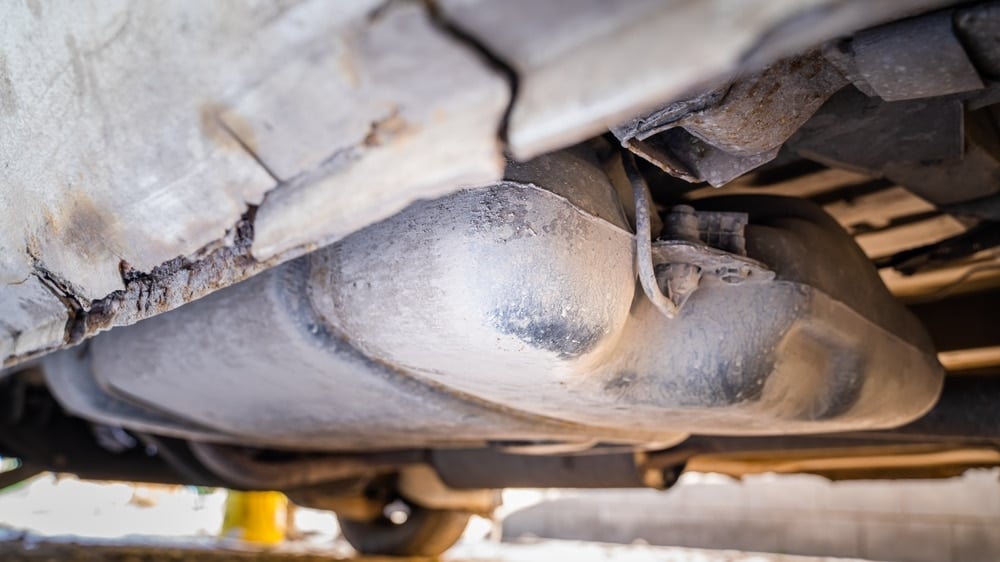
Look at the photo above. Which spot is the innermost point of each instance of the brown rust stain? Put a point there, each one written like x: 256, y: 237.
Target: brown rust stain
x: 387, y: 129
x: 174, y: 283
x: 81, y: 225
x: 166, y: 287
x: 225, y: 128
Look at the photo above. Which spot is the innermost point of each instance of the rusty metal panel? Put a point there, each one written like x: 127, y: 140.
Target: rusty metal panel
x: 153, y: 153
x: 507, y: 312
x: 739, y: 127
x: 139, y: 140
x: 112, y: 153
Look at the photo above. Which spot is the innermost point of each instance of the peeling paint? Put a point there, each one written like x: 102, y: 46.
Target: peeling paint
x: 106, y: 252
x: 116, y: 161
x: 172, y: 284
x: 321, y: 117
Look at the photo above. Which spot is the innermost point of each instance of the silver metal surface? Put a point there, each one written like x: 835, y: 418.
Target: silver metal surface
x: 127, y: 182
x: 509, y: 313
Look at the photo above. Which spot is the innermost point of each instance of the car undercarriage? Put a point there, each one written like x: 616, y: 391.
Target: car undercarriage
x: 402, y: 255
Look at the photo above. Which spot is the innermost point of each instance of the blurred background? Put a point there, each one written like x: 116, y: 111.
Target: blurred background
x: 708, y: 516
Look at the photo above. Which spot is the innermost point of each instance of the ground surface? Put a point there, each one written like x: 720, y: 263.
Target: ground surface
x: 35, y: 550
x: 705, y: 518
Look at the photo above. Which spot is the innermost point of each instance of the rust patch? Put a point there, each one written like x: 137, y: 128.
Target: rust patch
x: 81, y: 225
x: 166, y: 287
x: 225, y: 128
x: 58, y: 287
x: 84, y: 221
x: 174, y: 283
x: 387, y: 129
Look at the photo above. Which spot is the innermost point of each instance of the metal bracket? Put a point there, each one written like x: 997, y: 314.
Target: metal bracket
x: 727, y: 267
x: 643, y: 240
x: 683, y: 266
x: 679, y: 264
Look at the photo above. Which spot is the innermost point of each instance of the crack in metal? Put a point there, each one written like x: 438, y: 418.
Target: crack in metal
x: 493, y: 60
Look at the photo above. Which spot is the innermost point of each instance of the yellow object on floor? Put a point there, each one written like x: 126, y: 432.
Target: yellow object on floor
x: 257, y: 517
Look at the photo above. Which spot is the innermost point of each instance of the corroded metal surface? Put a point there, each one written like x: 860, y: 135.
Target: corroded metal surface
x: 507, y: 312
x: 717, y: 140
x: 137, y: 140
x: 144, y: 145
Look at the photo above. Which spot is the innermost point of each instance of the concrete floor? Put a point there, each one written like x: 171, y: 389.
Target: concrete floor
x: 706, y: 518
x: 38, y: 550
x: 948, y: 520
